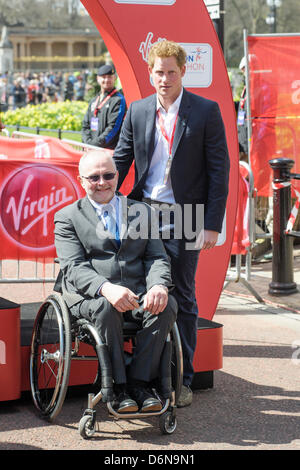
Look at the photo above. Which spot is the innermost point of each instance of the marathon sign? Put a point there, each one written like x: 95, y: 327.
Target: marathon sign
x: 199, y: 65
x: 31, y: 193
x: 199, y: 61
x: 29, y: 198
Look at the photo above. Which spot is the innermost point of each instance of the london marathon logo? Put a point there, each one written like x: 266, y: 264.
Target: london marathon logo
x: 29, y: 197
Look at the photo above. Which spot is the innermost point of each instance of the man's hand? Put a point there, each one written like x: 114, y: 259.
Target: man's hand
x: 206, y: 239
x: 156, y: 299
x: 120, y: 297
x: 210, y: 239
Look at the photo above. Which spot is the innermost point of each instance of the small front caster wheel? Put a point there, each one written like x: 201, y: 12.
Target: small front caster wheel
x: 86, y: 427
x: 167, y: 422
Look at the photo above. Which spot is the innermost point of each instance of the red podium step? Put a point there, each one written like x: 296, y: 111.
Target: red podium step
x: 10, y: 351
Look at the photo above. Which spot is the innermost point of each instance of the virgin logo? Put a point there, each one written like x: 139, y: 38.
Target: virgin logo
x: 146, y: 45
x: 29, y: 199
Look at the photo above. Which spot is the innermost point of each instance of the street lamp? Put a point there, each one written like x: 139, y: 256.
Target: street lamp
x: 271, y: 18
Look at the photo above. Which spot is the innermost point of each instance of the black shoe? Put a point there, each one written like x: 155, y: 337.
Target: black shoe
x: 145, y: 400
x: 124, y: 404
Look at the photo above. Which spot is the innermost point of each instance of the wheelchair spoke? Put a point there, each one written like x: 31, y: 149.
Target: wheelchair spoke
x: 50, y: 357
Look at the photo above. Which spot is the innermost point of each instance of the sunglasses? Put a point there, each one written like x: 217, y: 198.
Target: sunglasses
x: 96, y: 178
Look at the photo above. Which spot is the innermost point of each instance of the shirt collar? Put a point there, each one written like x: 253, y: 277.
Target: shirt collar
x: 174, y: 106
x: 102, y: 207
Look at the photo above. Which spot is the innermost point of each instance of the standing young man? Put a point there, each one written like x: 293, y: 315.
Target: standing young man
x: 102, y: 122
x: 177, y: 142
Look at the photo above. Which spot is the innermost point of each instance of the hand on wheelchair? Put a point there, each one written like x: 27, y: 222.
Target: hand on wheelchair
x: 122, y: 298
x: 156, y: 299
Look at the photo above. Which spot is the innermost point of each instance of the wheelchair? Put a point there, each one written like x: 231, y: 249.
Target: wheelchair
x: 56, y: 342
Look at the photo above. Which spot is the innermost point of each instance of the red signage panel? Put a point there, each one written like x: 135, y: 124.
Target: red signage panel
x: 129, y: 28
x: 37, y: 178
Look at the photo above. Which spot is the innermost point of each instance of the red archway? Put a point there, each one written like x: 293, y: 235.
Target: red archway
x: 128, y: 28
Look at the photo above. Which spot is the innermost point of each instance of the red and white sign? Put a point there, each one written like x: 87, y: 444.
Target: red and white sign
x: 32, y: 189
x: 189, y: 24
x: 275, y: 106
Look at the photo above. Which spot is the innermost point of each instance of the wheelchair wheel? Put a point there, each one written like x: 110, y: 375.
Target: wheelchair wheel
x: 87, y: 426
x: 176, y: 363
x: 50, y: 358
x: 167, y: 423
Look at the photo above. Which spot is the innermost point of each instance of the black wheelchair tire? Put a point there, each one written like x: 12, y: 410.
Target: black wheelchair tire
x: 176, y: 362
x: 50, y: 357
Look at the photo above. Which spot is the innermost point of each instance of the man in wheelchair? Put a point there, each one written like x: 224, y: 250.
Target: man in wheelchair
x: 109, y: 274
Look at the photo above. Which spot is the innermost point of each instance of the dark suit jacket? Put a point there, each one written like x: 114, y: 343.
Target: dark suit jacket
x: 88, y: 257
x: 200, y: 166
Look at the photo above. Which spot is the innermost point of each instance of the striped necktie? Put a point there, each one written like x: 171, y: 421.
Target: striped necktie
x: 111, y: 224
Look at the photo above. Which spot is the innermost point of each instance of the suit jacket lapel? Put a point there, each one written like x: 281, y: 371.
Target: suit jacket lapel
x: 89, y: 210
x: 183, y: 114
x: 124, y: 210
x: 150, y: 129
x: 127, y: 218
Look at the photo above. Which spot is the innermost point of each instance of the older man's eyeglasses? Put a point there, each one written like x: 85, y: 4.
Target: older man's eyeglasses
x: 96, y: 178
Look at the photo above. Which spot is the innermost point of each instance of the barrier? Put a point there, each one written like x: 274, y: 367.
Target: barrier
x: 12, y: 270
x: 273, y: 119
x: 282, y: 266
x: 244, y: 235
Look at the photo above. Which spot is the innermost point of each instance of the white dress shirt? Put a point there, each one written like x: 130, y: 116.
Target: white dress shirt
x: 114, y: 209
x: 112, y: 206
x: 155, y: 188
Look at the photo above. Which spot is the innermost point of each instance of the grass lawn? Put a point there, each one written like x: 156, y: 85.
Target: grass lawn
x: 64, y: 135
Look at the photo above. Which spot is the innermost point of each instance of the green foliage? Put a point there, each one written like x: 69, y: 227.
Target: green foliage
x: 67, y: 115
x: 93, y: 88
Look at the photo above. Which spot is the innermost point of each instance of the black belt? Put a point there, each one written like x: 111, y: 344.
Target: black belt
x: 153, y: 202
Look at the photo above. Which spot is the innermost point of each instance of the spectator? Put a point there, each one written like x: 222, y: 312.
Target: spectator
x: 68, y: 88
x: 79, y: 88
x: 102, y: 122
x: 19, y: 94
x: 32, y: 92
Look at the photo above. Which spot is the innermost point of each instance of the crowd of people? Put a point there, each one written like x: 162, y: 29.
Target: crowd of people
x: 22, y: 88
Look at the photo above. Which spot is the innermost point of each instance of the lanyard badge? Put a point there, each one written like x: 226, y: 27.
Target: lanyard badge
x: 170, y: 141
x: 99, y: 106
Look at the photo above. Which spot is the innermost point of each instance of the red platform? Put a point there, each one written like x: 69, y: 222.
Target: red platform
x: 15, y: 341
x: 10, y: 351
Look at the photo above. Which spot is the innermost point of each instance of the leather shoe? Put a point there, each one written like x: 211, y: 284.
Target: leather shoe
x: 124, y: 404
x: 145, y: 400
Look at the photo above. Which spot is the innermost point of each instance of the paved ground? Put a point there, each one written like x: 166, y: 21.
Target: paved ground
x: 254, y: 404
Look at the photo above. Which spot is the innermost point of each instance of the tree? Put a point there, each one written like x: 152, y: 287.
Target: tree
x: 43, y: 13
x: 251, y: 15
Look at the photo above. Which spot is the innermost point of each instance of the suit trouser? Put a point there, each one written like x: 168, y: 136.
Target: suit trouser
x: 184, y: 265
x: 150, y: 339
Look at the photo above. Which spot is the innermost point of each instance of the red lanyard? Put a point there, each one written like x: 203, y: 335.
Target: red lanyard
x: 164, y: 133
x: 97, y: 108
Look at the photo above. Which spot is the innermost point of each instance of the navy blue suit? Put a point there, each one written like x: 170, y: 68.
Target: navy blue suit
x: 199, y: 175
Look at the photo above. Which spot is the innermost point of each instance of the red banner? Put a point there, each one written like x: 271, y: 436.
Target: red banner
x: 275, y: 105
x: 37, y: 178
x: 189, y: 24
